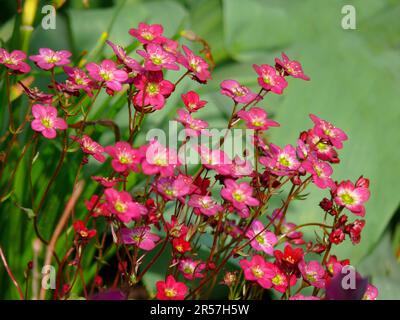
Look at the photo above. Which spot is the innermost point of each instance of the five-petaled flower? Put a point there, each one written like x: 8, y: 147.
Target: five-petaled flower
x: 170, y: 289
x: 14, y: 60
x: 46, y: 121
x: 47, y: 59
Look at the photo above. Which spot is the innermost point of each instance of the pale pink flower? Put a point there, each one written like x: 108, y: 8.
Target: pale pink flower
x: 48, y: 59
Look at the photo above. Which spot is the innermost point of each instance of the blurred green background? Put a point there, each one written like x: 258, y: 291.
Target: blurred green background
x: 355, y: 83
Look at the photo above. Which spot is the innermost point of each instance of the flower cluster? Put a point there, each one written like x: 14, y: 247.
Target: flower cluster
x: 152, y: 203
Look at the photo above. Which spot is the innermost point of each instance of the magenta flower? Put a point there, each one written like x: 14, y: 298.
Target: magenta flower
x: 14, y: 60
x: 237, y: 92
x: 120, y: 203
x: 173, y: 187
x: 170, y: 45
x: 257, y: 269
x: 46, y: 121
x: 140, y: 237
x: 155, y: 58
x: 148, y: 33
x: 239, y: 194
x: 262, y: 240
x: 352, y: 197
x: 191, y: 269
x: 256, y: 118
x: 159, y: 160
x: 90, y: 147
x: 192, y: 101
x: 328, y: 131
x: 78, y: 80
x: 269, y: 79
x: 205, y: 205
x: 107, y: 182
x: 170, y: 289
x: 193, y: 127
x: 195, y: 64
x: 323, y: 149
x: 130, y: 63
x: 279, y: 279
x: 124, y: 157
x: 371, y: 293
x: 321, y: 172
x: 216, y: 160
x: 48, y: 59
x: 153, y: 90
x: 291, y: 67
x: 108, y: 74
x: 281, y: 161
x: 313, y: 273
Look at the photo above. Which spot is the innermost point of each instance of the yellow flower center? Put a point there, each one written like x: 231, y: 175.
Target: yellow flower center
x: 169, y: 292
x: 47, y: 122
x: 120, y: 207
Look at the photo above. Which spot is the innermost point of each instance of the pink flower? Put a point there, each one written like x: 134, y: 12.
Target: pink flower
x: 14, y: 60
x: 140, y: 237
x: 155, y: 58
x: 281, y: 161
x: 237, y: 92
x: 171, y: 289
x: 170, y: 46
x: 323, y: 149
x: 124, y: 157
x: 191, y: 269
x: 48, y: 59
x: 46, y: 121
x: 159, y: 160
x: 352, y: 197
x: 192, y: 101
x: 262, y: 240
x: 173, y: 187
x: 123, y: 58
x: 90, y: 147
x: 153, y: 90
x: 239, y: 194
x: 148, y: 33
x: 279, y: 279
x: 78, y: 80
x: 240, y: 168
x: 256, y: 118
x: 321, y: 172
x: 269, y: 79
x: 371, y: 293
x: 205, y: 205
x: 195, y: 64
x: 216, y: 160
x: 120, y: 203
x: 328, y: 131
x: 107, y: 182
x: 193, y: 127
x: 291, y: 67
x: 176, y: 229
x: 257, y: 269
x: 313, y: 273
x: 108, y: 73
